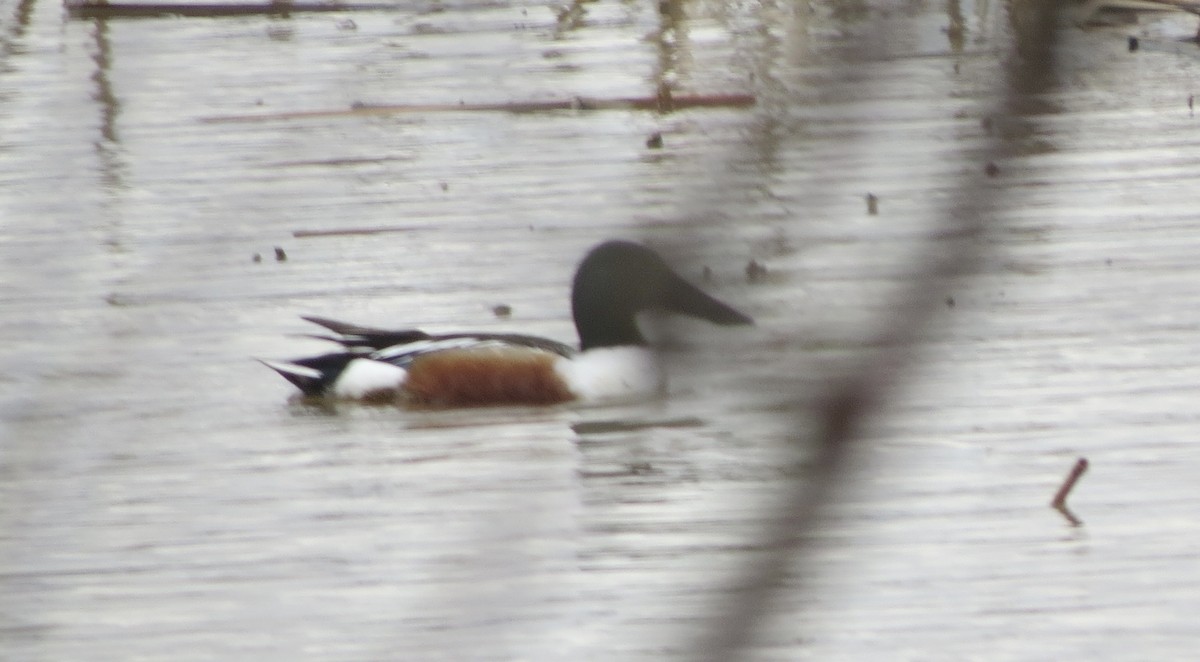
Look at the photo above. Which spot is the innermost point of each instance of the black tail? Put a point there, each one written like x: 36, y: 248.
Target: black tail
x: 313, y: 376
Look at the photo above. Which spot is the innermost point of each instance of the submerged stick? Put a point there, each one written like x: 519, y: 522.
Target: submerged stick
x: 1060, y: 497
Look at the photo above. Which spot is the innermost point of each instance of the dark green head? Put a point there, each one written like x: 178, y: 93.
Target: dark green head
x: 619, y: 279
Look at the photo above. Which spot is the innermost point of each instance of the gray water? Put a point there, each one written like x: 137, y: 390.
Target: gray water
x: 162, y: 498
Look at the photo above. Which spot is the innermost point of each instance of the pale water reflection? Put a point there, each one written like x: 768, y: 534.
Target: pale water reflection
x: 160, y: 497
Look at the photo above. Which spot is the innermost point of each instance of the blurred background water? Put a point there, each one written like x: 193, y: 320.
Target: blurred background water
x: 162, y: 498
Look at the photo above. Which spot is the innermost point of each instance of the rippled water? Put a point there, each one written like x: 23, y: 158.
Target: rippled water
x: 161, y: 497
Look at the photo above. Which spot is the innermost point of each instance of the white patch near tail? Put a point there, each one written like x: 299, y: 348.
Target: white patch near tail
x: 364, y: 377
x: 613, y: 373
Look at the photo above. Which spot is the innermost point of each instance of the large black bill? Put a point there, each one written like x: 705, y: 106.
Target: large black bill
x: 687, y: 299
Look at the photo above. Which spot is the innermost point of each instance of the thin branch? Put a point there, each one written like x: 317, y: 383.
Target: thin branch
x: 848, y: 403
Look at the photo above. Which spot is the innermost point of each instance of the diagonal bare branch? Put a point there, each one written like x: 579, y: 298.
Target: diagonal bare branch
x: 845, y: 405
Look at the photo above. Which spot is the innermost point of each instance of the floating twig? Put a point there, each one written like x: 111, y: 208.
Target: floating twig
x: 305, y: 234
x: 604, y: 427
x: 1060, y: 498
x: 137, y: 9
x: 654, y: 103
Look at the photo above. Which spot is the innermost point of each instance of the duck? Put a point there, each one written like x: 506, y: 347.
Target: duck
x: 615, y: 281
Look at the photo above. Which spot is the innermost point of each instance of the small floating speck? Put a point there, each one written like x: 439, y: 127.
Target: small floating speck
x: 654, y: 141
x: 872, y: 204
x: 256, y: 258
x: 641, y: 469
x: 502, y: 310
x: 280, y: 256
x: 707, y: 274
x: 1133, y: 44
x: 991, y: 169
x: 950, y: 302
x: 755, y: 271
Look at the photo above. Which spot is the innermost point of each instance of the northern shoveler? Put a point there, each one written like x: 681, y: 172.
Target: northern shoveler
x: 615, y: 281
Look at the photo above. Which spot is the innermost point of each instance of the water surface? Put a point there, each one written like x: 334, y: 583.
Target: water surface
x: 161, y: 497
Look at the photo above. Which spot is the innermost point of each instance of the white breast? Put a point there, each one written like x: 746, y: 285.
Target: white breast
x: 365, y: 377
x: 612, y: 373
